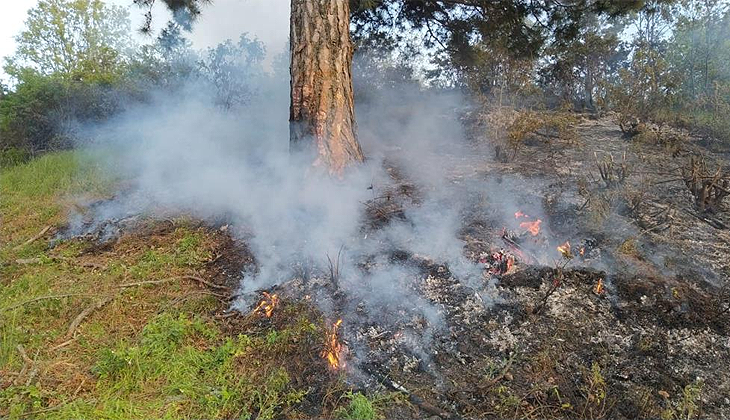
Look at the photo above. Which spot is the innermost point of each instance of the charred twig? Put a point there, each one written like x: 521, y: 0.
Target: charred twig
x: 612, y: 174
x: 335, y: 267
x: 414, y: 399
x: 557, y: 281
x: 521, y: 252
x: 712, y: 222
x: 34, y: 238
x: 709, y: 189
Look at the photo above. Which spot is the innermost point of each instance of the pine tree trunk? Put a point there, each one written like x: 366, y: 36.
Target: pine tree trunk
x: 322, y: 112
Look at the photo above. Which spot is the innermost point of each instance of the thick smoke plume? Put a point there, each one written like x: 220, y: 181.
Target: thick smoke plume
x: 183, y: 154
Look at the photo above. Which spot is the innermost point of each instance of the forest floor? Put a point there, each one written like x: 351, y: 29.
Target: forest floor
x: 140, y: 327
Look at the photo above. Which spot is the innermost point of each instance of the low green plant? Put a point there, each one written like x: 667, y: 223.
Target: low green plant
x: 359, y: 407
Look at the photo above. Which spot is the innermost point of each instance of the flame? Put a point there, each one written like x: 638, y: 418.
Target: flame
x: 519, y: 214
x: 565, y: 249
x: 599, y: 289
x: 333, y: 349
x: 267, y: 305
x: 582, y: 251
x: 532, y: 227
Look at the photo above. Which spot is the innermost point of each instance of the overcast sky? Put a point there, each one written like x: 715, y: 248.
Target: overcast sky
x: 266, y: 19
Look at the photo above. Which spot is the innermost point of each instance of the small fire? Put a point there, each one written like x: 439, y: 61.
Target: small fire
x: 599, y: 289
x: 582, y: 251
x: 519, y: 214
x: 267, y: 305
x: 532, y: 227
x: 565, y: 250
x: 498, y: 262
x: 333, y: 349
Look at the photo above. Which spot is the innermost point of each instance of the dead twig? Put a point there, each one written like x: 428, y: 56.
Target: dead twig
x: 38, y: 260
x: 34, y: 238
x: 27, y: 362
x: 86, y: 312
x: 709, y: 189
x: 169, y: 279
x: 612, y: 174
x: 38, y: 299
x: 335, y: 267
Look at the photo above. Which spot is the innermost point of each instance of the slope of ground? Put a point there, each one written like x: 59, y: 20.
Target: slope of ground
x: 137, y: 325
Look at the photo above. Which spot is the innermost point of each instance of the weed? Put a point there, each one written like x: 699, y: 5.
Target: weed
x: 595, y: 392
x: 358, y: 408
x: 688, y: 406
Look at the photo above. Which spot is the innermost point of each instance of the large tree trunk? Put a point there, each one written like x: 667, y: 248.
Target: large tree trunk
x: 322, y: 112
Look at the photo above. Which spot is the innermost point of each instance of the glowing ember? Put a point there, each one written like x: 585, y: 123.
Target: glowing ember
x: 565, y: 250
x: 267, y: 305
x: 333, y: 349
x: 532, y: 227
x: 599, y: 289
x: 498, y: 262
x: 519, y: 214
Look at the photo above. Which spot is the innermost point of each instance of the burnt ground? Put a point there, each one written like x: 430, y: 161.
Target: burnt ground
x: 639, y: 327
x: 653, y: 343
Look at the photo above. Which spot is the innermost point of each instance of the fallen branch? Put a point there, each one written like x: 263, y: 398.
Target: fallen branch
x: 38, y: 260
x: 169, y: 279
x: 35, y: 238
x: 86, y: 312
x: 38, y: 299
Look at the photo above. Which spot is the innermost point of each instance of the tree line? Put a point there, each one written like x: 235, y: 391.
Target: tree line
x: 664, y: 61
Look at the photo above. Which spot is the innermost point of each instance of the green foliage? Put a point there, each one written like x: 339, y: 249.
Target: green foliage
x: 359, y: 407
x: 69, y: 55
x: 43, y: 111
x: 189, y: 378
x: 74, y: 39
x: 13, y: 156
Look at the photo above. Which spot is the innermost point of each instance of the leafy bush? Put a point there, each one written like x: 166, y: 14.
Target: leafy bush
x: 43, y: 112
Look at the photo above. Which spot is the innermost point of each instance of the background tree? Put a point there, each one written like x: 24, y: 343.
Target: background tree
x: 70, y: 60
x: 234, y: 69
x: 78, y: 39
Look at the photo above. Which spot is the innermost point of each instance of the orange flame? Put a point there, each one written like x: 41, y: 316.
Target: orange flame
x: 565, y: 249
x: 267, y: 305
x: 599, y: 289
x: 532, y: 227
x: 519, y: 214
x: 333, y: 349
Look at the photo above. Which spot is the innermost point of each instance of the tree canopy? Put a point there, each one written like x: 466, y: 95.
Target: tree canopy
x: 73, y: 39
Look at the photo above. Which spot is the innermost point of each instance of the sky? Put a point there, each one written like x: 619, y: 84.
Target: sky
x: 266, y: 19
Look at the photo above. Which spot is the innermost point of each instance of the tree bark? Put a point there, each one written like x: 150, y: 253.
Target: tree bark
x: 322, y: 112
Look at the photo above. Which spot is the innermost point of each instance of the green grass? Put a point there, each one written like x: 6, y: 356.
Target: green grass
x: 154, y: 351
x: 359, y: 407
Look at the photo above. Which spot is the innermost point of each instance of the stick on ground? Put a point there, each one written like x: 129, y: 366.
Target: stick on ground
x: 35, y: 238
x: 86, y: 312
